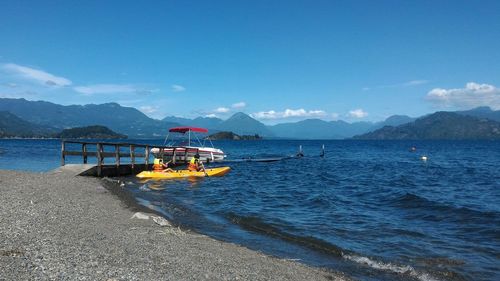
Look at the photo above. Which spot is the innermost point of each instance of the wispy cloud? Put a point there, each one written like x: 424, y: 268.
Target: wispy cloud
x: 147, y: 109
x: 288, y: 113
x: 357, y: 113
x: 10, y: 85
x: 222, y: 110
x: 21, y: 94
x: 240, y: 104
x: 415, y: 83
x: 398, y: 85
x: 36, y: 75
x: 472, y: 95
x: 111, y: 89
x: 177, y: 88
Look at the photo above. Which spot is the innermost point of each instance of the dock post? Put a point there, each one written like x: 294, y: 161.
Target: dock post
x: 99, y: 159
x: 84, y: 150
x: 63, y: 156
x: 117, y: 156
x: 146, y: 156
x: 132, y: 156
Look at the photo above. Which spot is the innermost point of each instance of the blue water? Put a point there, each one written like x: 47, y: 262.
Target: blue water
x: 370, y: 208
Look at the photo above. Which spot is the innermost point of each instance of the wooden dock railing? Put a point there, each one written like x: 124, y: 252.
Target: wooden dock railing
x: 134, y: 151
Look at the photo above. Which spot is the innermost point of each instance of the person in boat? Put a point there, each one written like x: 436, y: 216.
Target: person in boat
x: 195, y: 164
x: 159, y: 166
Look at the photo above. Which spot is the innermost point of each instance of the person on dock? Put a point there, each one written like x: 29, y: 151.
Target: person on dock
x: 195, y: 164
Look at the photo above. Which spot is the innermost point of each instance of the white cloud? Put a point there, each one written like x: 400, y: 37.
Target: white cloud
x: 240, y: 104
x: 288, y: 113
x: 415, y: 83
x: 303, y: 113
x: 398, y: 85
x: 10, y: 85
x: 110, y: 89
x: 149, y: 109
x: 335, y: 116
x: 211, y: 116
x: 30, y: 95
x: 145, y: 91
x: 36, y: 75
x: 177, y: 88
x: 271, y: 114
x: 472, y: 95
x: 357, y: 113
x: 222, y: 110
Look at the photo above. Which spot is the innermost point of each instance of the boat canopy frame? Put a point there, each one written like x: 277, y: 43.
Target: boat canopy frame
x: 184, y: 130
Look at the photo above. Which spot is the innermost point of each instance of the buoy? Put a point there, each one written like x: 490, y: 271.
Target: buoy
x: 424, y: 158
x: 413, y: 149
x: 300, y: 153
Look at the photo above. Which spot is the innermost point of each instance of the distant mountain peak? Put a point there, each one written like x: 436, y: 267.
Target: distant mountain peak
x: 396, y: 120
x: 243, y: 124
x: 482, y: 108
x: 482, y: 112
x: 241, y: 115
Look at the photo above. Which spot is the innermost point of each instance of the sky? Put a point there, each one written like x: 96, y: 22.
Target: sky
x: 279, y: 61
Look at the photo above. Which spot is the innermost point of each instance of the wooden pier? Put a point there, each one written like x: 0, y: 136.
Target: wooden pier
x: 138, y: 155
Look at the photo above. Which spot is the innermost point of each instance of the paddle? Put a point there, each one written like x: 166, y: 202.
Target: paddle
x: 203, y: 166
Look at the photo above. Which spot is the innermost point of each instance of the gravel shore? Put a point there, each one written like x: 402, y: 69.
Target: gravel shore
x: 55, y: 226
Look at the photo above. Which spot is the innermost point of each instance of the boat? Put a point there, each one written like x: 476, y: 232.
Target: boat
x: 176, y: 174
x: 183, y: 152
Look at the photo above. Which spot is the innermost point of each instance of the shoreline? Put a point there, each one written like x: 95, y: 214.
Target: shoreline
x: 58, y: 226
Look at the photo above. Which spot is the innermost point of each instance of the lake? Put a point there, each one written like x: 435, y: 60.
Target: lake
x: 372, y: 209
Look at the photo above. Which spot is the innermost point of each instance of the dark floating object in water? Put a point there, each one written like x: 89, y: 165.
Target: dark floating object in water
x: 300, y: 153
x: 257, y: 159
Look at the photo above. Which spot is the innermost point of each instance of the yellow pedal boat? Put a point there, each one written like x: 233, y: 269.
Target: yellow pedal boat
x: 177, y: 174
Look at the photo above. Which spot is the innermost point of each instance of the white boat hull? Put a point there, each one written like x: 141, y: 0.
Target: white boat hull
x: 185, y: 153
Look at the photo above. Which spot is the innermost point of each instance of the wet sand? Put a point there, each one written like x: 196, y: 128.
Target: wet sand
x: 60, y: 226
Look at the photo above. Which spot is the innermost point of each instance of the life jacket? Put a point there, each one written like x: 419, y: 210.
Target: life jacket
x: 193, y: 164
x: 157, y: 166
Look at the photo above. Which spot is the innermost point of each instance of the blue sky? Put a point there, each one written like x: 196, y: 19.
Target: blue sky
x: 280, y: 61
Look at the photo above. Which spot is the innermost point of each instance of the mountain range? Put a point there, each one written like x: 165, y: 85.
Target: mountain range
x: 440, y: 126
x: 239, y: 123
x: 13, y: 126
x: 20, y: 117
x: 243, y: 124
x: 125, y: 120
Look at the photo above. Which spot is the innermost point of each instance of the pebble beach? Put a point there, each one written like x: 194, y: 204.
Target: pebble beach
x: 57, y: 226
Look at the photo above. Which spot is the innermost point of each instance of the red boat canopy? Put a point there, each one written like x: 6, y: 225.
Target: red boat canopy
x: 186, y: 129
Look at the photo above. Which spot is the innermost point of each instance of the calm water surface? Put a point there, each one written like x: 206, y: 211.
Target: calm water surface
x: 372, y: 209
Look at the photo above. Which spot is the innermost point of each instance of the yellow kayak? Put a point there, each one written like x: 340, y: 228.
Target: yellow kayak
x: 214, y: 172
